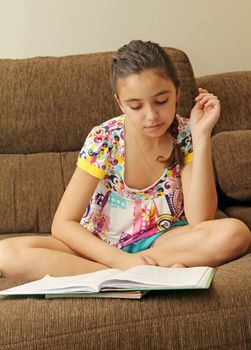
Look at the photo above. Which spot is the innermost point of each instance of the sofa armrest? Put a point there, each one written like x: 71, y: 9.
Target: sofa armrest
x: 234, y: 92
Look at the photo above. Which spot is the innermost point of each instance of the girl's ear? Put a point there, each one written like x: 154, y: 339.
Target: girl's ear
x: 119, y: 103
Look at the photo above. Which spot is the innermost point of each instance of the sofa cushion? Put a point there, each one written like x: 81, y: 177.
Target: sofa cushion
x: 31, y: 187
x: 49, y: 104
x: 220, y: 214
x: 234, y: 92
x: 232, y: 161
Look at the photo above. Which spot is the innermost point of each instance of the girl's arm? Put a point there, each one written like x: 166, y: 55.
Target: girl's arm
x: 199, y: 189
x: 67, y: 228
x: 66, y: 223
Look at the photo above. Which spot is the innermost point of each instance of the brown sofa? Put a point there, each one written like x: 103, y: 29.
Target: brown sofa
x: 47, y: 107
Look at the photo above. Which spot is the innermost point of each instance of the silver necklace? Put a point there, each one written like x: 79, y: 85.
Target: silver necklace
x: 143, y: 156
x: 145, y: 159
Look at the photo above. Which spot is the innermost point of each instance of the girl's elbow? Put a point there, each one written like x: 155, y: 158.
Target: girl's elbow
x: 61, y: 226
x: 55, y: 229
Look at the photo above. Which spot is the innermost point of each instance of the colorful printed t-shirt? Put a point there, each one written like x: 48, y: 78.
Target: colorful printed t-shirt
x: 121, y: 215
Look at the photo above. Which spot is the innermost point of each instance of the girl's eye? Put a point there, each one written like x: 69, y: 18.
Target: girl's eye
x: 162, y: 102
x: 135, y: 107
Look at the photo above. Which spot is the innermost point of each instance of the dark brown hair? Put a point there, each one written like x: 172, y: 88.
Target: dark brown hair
x: 138, y: 56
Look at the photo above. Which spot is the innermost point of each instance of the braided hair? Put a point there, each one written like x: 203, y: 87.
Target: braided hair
x: 138, y: 56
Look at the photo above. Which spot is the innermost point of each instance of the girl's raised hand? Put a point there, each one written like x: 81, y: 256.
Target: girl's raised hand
x: 205, y: 113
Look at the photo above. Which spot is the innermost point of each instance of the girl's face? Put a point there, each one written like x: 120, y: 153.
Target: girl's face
x: 149, y: 102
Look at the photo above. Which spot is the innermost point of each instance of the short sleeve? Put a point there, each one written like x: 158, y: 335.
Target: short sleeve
x: 185, y: 139
x: 93, y: 157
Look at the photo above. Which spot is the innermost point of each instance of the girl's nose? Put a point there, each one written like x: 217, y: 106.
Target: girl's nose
x: 152, y: 114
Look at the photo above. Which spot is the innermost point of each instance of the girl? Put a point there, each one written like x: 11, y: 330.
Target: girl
x: 142, y: 192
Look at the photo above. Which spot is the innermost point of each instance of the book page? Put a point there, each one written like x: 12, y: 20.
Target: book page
x: 155, y: 277
x: 87, y: 282
x: 139, y: 277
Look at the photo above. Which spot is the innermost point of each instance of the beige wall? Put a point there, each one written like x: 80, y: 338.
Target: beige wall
x: 214, y: 33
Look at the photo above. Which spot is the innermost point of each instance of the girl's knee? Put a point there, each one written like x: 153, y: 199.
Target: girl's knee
x: 6, y: 253
x: 10, y: 254
x: 237, y: 238
x: 8, y: 246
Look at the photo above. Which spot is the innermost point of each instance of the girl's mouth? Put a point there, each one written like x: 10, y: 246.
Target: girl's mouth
x: 154, y: 127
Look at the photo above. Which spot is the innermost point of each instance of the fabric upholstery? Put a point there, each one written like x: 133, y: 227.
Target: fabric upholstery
x: 31, y: 187
x: 206, y: 319
x: 231, y: 156
x: 231, y: 141
x: 48, y: 104
x: 234, y: 91
x: 47, y: 107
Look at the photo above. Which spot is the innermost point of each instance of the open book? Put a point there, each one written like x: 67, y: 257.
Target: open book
x: 132, y: 283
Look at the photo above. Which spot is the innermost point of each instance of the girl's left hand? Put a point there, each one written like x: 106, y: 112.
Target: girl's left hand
x: 205, y: 113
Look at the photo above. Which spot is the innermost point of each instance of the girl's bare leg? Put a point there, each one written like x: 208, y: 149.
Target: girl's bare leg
x: 31, y: 258
x: 210, y: 243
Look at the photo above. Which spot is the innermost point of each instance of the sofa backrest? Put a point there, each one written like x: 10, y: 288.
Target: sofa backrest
x: 234, y: 91
x: 47, y: 107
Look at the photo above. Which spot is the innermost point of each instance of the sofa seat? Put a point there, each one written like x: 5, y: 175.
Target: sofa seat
x: 202, y: 319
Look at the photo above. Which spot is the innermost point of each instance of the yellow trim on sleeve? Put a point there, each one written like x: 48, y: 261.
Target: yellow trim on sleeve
x: 90, y: 169
x: 188, y: 158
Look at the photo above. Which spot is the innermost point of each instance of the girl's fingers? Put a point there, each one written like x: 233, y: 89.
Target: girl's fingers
x: 206, y: 99
x: 202, y: 95
x: 202, y: 90
x: 149, y: 260
x: 212, y: 102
